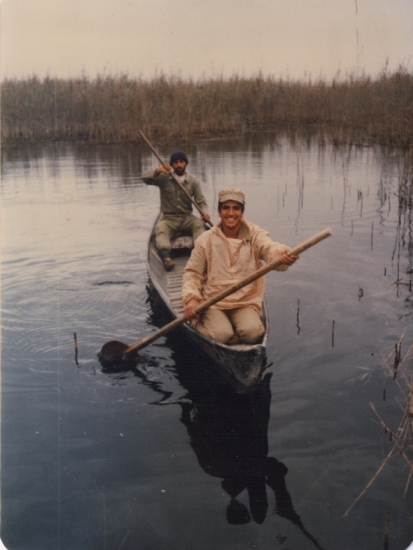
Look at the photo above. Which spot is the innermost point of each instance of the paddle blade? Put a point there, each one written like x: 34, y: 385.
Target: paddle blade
x: 112, y: 356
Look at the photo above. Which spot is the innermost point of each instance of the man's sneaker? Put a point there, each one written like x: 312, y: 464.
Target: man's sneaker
x: 168, y: 264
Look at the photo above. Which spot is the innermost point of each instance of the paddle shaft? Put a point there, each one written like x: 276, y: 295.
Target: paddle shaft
x: 230, y: 290
x: 148, y: 143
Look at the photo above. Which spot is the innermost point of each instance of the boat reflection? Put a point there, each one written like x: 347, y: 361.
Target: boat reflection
x: 228, y: 431
x: 229, y: 435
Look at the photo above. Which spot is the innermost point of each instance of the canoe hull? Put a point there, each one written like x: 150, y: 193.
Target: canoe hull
x: 241, y: 365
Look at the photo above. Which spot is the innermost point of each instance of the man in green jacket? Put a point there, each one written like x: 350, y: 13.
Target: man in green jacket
x: 176, y: 206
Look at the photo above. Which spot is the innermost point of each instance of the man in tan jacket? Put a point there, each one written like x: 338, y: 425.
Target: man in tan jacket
x: 176, y: 205
x: 231, y: 251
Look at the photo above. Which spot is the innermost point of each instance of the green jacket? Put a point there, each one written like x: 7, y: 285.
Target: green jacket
x: 173, y: 199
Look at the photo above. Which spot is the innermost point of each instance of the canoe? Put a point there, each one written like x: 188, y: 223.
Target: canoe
x: 242, y: 364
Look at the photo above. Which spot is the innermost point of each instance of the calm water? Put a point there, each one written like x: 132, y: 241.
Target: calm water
x: 166, y: 455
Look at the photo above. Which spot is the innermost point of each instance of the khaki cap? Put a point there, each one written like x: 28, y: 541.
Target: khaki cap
x: 231, y: 194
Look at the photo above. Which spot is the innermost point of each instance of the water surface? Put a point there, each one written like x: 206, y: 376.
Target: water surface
x: 166, y: 455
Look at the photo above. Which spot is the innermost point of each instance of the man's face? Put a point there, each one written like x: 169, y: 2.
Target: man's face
x: 179, y: 167
x: 231, y: 214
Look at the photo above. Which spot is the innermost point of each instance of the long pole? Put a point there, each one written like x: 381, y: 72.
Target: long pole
x: 230, y: 290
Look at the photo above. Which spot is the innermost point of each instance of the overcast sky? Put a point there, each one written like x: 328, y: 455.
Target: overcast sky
x: 204, y: 38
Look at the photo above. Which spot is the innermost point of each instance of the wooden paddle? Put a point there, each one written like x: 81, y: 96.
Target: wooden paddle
x: 173, y: 175
x: 114, y: 350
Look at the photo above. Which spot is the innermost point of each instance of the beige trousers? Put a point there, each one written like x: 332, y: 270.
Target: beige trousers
x: 231, y: 326
x: 170, y: 225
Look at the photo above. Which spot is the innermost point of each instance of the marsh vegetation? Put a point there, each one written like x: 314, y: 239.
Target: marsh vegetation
x: 111, y: 109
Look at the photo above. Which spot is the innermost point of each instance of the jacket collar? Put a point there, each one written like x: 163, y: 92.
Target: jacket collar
x: 181, y: 179
x: 244, y: 231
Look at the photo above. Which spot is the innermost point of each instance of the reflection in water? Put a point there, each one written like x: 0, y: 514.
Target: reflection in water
x: 228, y: 432
x: 119, y: 371
x: 404, y: 234
x: 229, y: 435
x: 298, y: 317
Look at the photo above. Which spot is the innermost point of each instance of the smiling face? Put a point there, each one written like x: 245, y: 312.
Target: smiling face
x: 179, y: 167
x: 231, y: 214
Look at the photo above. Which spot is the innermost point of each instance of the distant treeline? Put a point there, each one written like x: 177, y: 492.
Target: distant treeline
x: 111, y: 109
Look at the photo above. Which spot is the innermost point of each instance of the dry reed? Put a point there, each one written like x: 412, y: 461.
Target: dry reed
x: 396, y: 364
x: 402, y: 437
x: 111, y: 109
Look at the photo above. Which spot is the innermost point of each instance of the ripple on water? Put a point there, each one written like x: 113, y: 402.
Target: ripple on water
x: 76, y: 224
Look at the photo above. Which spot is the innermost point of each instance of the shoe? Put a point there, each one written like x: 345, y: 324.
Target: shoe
x: 168, y: 264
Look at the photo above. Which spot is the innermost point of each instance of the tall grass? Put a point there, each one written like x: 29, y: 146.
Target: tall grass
x: 111, y: 109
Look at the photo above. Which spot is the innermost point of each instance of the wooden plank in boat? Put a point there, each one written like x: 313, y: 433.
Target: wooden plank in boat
x: 183, y: 241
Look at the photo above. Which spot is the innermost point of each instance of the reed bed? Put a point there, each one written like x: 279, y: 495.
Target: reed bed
x: 401, y: 437
x: 399, y: 365
x: 111, y: 109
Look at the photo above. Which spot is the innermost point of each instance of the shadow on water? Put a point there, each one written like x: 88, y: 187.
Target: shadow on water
x: 229, y: 435
x: 228, y: 431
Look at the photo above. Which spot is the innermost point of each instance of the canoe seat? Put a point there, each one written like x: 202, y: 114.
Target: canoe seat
x: 182, y: 241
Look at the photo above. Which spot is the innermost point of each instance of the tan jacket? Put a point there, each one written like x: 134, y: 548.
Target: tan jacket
x: 217, y: 262
x: 173, y: 199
